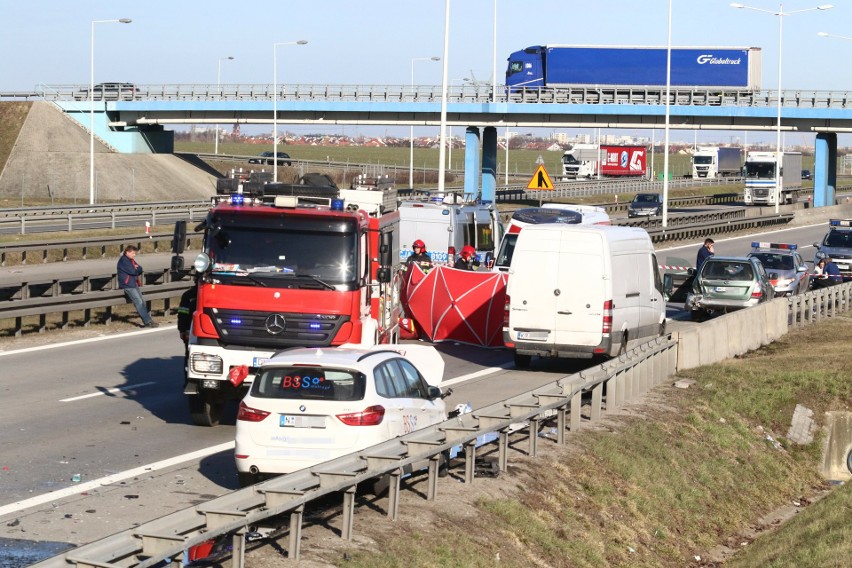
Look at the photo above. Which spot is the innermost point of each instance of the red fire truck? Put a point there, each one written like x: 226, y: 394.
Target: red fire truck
x: 279, y: 271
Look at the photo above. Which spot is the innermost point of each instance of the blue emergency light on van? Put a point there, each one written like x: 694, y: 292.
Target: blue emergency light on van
x: 337, y: 205
x: 237, y: 199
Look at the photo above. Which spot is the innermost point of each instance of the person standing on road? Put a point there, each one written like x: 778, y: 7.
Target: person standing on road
x: 420, y: 257
x: 705, y: 252
x: 129, y: 279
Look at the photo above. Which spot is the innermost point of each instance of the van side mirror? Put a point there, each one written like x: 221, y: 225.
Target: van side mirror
x: 691, y: 271
x: 668, y: 286
x: 383, y: 274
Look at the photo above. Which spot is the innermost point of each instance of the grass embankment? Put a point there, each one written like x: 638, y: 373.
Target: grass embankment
x: 696, y: 471
x: 12, y: 117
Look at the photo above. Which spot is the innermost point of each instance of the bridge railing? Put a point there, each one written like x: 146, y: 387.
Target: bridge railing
x: 457, y: 94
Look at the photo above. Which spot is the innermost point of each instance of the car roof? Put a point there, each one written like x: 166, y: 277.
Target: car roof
x: 326, y: 356
x: 745, y: 259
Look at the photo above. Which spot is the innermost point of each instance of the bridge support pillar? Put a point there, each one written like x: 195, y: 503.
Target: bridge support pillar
x: 825, y: 168
x: 489, y: 164
x: 471, y: 161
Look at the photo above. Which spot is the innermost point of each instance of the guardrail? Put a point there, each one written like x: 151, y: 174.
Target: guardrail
x: 608, y: 386
x: 61, y: 249
x: 112, y: 218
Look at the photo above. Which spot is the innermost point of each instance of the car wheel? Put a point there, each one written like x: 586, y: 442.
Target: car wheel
x: 522, y: 361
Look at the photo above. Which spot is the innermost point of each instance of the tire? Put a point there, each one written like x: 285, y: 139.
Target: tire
x: 522, y: 361
x: 205, y: 408
x: 622, y: 349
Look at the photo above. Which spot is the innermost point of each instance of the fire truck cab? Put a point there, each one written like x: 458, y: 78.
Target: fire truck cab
x: 287, y: 271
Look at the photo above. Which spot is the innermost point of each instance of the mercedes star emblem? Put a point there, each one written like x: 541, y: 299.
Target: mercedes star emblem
x: 275, y: 324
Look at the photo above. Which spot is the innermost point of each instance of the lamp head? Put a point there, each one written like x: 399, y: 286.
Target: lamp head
x: 435, y: 58
x: 825, y: 7
x: 230, y: 57
x: 822, y: 34
x: 737, y: 5
x: 302, y: 42
x: 125, y: 20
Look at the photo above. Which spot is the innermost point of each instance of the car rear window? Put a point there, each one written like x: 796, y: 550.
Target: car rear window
x: 727, y: 271
x: 775, y: 261
x: 309, y: 383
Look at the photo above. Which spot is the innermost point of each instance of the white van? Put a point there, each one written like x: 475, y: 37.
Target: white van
x: 447, y: 227
x: 547, y: 213
x: 580, y: 291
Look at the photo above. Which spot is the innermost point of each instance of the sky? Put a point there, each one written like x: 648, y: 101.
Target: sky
x: 373, y: 42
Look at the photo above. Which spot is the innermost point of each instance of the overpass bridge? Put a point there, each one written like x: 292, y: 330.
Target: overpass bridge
x: 135, y: 120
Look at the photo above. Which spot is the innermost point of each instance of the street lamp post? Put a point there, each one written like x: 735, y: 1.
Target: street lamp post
x: 275, y: 103
x: 219, y: 94
x: 411, y: 128
x: 92, y: 106
x: 666, y: 129
x: 779, y: 156
x: 824, y: 34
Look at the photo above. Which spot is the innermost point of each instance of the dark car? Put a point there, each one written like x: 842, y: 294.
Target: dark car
x: 269, y: 157
x: 729, y: 283
x: 645, y: 205
x: 806, y: 174
x: 110, y: 92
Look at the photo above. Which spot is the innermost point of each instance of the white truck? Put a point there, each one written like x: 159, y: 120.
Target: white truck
x: 711, y: 162
x: 760, y: 183
x: 583, y: 161
x: 579, y: 291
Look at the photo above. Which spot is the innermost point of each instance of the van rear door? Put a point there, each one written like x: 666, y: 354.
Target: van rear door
x: 583, y: 283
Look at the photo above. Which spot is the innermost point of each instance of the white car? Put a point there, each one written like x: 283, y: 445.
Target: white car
x: 310, y: 405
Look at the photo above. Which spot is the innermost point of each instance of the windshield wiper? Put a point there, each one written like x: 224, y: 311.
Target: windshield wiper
x: 317, y: 280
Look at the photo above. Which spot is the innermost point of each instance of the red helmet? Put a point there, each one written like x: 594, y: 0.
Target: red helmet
x: 419, y: 243
x: 468, y: 251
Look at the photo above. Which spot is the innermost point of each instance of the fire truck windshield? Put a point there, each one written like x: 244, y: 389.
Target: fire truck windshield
x: 314, y: 257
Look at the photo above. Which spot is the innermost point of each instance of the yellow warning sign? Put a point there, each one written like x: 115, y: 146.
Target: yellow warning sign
x: 540, y: 179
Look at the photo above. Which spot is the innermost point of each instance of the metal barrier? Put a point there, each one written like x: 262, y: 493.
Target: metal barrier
x: 44, y: 248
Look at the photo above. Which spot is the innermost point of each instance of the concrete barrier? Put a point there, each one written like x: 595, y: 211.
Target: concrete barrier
x: 837, y: 447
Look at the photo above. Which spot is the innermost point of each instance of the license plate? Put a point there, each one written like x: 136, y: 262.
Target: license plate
x: 258, y: 361
x: 843, y: 266
x: 720, y: 289
x: 532, y: 335
x: 296, y: 421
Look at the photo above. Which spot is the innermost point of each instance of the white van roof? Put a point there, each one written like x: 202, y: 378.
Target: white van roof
x: 611, y: 233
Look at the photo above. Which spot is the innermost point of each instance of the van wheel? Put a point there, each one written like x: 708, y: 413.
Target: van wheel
x: 522, y: 361
x: 622, y: 349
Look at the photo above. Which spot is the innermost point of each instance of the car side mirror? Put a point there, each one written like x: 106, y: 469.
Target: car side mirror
x: 816, y: 245
x: 690, y: 271
x: 802, y: 269
x: 433, y: 392
x: 773, y: 275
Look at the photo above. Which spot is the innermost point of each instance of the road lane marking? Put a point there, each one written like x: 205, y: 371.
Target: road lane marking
x: 82, y: 341
x: 106, y: 391
x: 111, y: 479
x: 476, y: 375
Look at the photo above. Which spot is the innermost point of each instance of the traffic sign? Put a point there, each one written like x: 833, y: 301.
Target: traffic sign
x: 540, y: 179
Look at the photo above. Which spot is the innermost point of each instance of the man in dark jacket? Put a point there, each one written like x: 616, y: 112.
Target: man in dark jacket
x: 129, y: 278
x: 705, y: 252
x: 420, y: 257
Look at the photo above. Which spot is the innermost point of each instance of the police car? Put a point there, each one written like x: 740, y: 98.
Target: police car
x: 783, y: 259
x: 309, y: 405
x: 837, y: 244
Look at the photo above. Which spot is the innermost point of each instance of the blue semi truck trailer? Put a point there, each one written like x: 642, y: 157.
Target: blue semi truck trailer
x: 635, y: 66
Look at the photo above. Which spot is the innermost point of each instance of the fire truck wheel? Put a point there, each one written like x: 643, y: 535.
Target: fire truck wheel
x: 205, y: 409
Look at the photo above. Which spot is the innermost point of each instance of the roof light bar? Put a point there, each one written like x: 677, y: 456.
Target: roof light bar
x: 777, y: 246
x: 840, y: 222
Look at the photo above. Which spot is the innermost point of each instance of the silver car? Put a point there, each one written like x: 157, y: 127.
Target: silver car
x: 783, y: 260
x: 726, y: 283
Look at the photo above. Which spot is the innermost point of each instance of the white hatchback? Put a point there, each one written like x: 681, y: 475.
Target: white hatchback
x: 310, y: 405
